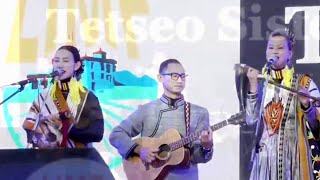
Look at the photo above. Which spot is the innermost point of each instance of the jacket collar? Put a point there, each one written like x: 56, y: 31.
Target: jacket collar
x: 172, y: 102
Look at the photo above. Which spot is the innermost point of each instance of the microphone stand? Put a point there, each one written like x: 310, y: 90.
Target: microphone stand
x: 16, y: 92
x: 22, y: 85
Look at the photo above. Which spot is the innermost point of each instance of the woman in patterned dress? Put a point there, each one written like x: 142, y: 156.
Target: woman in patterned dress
x: 287, y: 124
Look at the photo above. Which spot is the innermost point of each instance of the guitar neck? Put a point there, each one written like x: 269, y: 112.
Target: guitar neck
x: 186, y: 140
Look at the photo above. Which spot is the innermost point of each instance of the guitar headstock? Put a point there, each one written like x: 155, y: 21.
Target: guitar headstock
x: 238, y: 118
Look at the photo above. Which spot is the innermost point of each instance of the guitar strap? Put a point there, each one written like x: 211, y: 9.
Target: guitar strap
x: 187, y: 117
x: 63, y: 108
x: 187, y: 122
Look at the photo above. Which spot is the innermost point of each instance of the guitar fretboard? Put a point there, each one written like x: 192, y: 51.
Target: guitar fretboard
x: 186, y: 140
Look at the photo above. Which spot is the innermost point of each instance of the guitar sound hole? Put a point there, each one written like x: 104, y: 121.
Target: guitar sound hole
x: 164, y: 152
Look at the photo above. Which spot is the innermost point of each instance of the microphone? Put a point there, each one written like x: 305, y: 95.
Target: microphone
x: 272, y: 61
x: 50, y: 75
x: 24, y: 82
x: 33, y: 78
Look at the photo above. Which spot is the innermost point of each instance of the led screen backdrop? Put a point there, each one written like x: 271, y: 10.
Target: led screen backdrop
x: 123, y: 43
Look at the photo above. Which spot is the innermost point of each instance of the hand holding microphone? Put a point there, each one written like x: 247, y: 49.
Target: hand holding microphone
x: 254, y: 74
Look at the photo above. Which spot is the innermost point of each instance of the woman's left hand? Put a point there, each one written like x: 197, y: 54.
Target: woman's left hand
x: 305, y: 101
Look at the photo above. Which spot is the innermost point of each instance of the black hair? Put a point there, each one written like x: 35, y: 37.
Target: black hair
x: 164, y: 64
x: 76, y: 56
x: 289, y: 36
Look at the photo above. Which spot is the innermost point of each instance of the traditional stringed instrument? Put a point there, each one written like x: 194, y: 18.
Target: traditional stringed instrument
x: 171, y: 151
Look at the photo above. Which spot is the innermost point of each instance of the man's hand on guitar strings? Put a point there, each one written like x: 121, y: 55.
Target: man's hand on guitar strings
x: 206, y: 139
x: 148, y: 155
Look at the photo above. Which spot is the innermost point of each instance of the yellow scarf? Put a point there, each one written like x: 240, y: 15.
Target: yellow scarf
x: 286, y: 74
x: 74, y: 90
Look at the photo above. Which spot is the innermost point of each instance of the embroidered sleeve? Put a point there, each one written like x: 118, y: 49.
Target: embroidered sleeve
x: 252, y: 111
x: 312, y: 112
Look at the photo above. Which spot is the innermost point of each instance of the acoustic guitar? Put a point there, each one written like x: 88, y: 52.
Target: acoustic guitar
x: 171, y: 151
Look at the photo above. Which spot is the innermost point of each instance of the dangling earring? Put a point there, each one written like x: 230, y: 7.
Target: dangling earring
x: 75, y: 75
x: 289, y: 63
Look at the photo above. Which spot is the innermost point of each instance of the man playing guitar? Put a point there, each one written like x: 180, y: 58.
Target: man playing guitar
x: 157, y: 119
